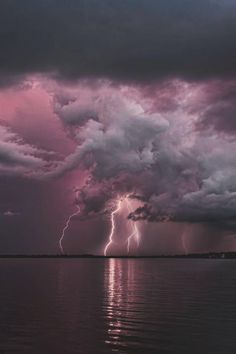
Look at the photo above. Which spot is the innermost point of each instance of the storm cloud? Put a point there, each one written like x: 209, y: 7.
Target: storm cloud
x: 186, y: 172
x: 139, y: 41
x: 18, y: 157
x: 134, y: 98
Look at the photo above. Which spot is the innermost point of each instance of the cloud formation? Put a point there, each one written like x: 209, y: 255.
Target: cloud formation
x: 140, y: 95
x: 154, y: 142
x: 181, y: 169
x: 18, y: 157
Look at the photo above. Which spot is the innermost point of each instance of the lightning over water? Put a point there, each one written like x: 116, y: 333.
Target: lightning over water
x: 110, y: 239
x: 135, y: 233
x: 67, y: 224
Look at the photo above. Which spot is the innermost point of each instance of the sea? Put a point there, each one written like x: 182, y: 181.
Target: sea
x: 99, y: 306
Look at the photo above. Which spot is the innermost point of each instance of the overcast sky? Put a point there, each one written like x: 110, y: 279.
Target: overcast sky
x: 104, y: 100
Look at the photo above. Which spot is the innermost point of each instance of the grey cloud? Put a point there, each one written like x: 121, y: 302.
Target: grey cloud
x: 17, y: 157
x: 122, y: 139
x: 179, y: 172
x: 218, y: 109
x: 121, y: 40
x: 208, y: 195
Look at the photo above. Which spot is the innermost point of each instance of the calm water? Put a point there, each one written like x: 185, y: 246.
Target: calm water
x: 125, y: 306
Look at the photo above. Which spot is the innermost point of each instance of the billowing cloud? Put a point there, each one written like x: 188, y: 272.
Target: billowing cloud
x: 181, y: 170
x: 154, y: 142
x: 18, y: 157
x: 120, y: 138
x: 139, y: 96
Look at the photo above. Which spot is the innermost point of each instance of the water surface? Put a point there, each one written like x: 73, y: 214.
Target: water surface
x: 97, y: 306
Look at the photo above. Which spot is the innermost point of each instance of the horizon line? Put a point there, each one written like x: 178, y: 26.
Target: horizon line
x: 221, y: 255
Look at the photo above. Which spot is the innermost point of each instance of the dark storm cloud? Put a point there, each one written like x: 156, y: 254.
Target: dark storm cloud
x: 124, y: 40
x: 179, y: 172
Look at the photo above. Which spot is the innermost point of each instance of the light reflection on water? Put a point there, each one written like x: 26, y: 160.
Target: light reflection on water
x: 117, y: 305
x: 118, y: 297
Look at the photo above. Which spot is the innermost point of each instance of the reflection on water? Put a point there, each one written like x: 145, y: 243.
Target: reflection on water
x: 118, y: 299
x: 95, y: 306
x: 124, y: 306
x: 113, y: 298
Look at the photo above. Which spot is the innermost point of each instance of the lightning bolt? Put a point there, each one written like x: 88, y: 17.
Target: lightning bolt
x: 110, y: 238
x: 67, y: 226
x: 135, y: 233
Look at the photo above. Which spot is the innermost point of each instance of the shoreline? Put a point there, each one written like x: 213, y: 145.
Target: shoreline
x: 221, y: 255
